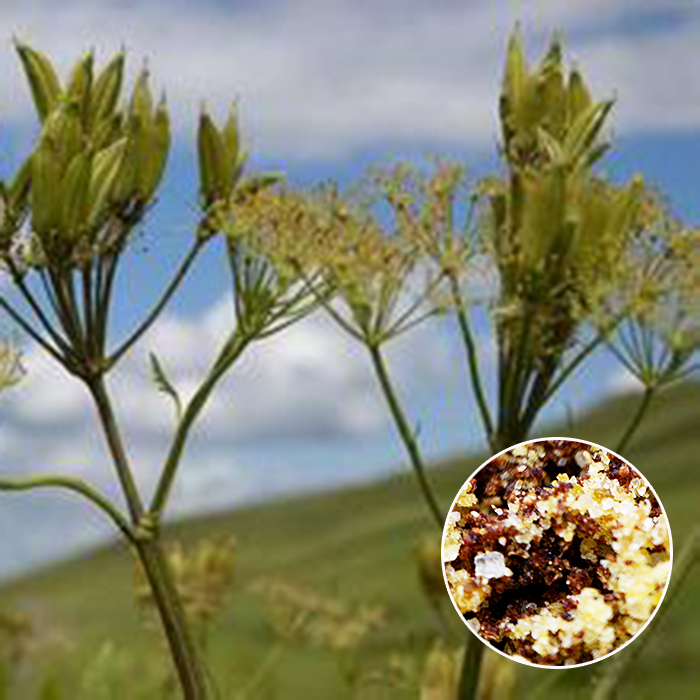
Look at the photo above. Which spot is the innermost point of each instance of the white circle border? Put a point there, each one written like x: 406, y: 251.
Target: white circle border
x: 523, y: 661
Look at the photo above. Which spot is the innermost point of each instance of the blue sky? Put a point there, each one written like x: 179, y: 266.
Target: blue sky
x: 325, y: 88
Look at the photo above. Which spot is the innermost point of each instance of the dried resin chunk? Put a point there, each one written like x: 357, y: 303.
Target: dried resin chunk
x: 556, y: 552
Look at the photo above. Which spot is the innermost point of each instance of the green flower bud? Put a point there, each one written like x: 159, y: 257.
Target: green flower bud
x: 79, y: 89
x: 156, y: 147
x: 75, y: 195
x: 43, y: 82
x: 105, y: 171
x: 212, y: 161
x: 106, y: 90
x: 45, y: 197
x: 141, y: 99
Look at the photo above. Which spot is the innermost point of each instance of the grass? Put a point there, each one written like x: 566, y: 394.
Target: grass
x: 358, y: 544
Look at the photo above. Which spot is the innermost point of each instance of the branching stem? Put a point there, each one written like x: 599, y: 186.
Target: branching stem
x: 231, y: 351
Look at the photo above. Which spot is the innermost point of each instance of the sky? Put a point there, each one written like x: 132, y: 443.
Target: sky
x: 325, y: 89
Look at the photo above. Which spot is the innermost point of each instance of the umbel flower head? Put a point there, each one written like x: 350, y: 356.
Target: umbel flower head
x: 331, y: 246
x: 95, y: 168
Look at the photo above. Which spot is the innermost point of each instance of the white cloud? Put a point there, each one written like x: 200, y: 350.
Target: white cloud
x: 312, y: 382
x: 326, y: 78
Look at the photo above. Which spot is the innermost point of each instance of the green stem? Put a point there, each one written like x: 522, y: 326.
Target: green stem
x: 172, y: 614
x: 405, y: 432
x: 39, y: 481
x: 160, y: 304
x: 636, y: 421
x: 27, y: 295
x: 27, y: 327
x: 562, y: 375
x: 229, y: 354
x: 472, y: 359
x: 148, y: 546
x: 471, y: 668
x: 98, y: 390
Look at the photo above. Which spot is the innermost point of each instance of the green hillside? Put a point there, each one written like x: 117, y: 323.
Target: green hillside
x: 358, y: 545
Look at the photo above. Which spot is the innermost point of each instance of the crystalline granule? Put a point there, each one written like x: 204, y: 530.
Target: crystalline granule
x: 491, y: 565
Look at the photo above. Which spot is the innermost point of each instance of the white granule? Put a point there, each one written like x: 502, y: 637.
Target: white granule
x: 583, y: 458
x: 502, y: 541
x: 491, y: 565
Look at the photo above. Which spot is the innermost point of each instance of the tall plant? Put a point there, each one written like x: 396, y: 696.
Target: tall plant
x: 66, y: 220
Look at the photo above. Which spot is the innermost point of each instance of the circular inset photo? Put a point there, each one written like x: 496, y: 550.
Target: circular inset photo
x: 557, y: 552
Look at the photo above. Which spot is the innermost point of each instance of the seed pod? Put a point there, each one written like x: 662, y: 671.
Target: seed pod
x: 109, y: 130
x: 45, y: 197
x: 126, y: 185
x: 63, y: 129
x: 516, y: 78
x: 106, y: 90
x: 231, y: 137
x: 553, y: 91
x: 155, y: 155
x: 212, y: 161
x: 106, y: 168
x: 75, y: 191
x: 78, y: 91
x: 141, y: 100
x: 579, y: 98
x: 43, y: 81
x: 586, y: 128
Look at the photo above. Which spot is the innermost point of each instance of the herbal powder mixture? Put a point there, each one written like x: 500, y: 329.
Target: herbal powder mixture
x: 556, y: 552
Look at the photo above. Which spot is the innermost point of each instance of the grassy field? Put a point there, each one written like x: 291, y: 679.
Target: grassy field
x: 358, y: 546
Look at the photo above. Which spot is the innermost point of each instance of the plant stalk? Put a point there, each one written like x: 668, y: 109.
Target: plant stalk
x: 636, y: 421
x: 188, y: 664
x: 406, y: 434
x: 185, y: 656
x: 472, y: 359
x: 100, y: 396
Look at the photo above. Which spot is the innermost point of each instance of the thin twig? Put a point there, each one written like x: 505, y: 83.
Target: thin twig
x: 167, y: 294
x: 27, y: 327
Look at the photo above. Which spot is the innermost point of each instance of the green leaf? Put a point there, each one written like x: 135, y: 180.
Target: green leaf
x: 164, y: 384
